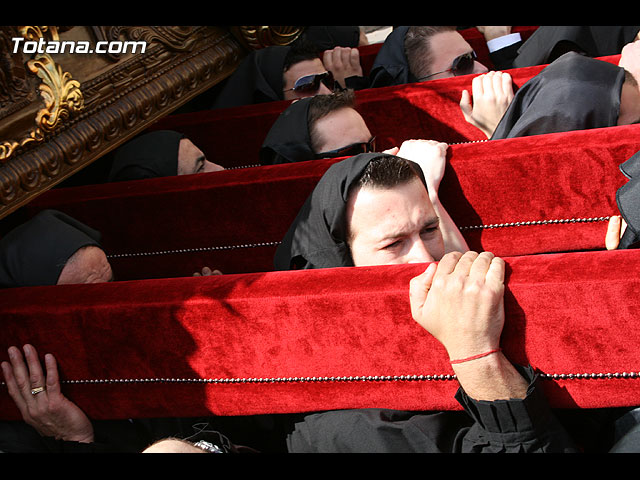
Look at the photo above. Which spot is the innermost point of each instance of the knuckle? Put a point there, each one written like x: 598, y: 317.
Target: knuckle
x: 21, y: 383
x: 439, y: 284
x: 474, y: 287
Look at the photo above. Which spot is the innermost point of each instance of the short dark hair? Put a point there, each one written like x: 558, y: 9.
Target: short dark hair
x: 321, y: 106
x: 386, y: 171
x: 299, y: 52
x: 417, y: 47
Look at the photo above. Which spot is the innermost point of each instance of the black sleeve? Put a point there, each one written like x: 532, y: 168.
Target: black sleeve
x: 356, y: 83
x: 526, y: 425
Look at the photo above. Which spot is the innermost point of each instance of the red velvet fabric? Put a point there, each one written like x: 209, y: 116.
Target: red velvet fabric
x: 233, y: 220
x: 232, y: 137
x: 257, y: 343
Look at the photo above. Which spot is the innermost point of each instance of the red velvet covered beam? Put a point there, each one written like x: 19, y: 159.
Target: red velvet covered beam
x: 429, y: 110
x: 549, y: 193
x: 321, y: 339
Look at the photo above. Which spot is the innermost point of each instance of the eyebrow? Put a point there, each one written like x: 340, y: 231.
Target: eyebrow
x: 430, y: 222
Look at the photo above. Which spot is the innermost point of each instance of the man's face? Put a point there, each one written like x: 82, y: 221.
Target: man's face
x: 192, y: 160
x: 88, y: 265
x: 446, y: 46
x: 340, y: 128
x: 300, y: 69
x: 393, y: 226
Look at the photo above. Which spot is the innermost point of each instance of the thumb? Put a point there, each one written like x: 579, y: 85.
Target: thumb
x: 392, y: 151
x: 612, y: 238
x: 465, y: 104
x: 419, y: 289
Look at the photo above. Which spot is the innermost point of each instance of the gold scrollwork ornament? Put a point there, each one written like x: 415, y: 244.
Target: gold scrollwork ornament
x: 61, y: 94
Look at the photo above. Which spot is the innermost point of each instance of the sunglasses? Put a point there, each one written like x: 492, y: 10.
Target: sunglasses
x: 350, y: 150
x: 462, y: 65
x: 311, y: 83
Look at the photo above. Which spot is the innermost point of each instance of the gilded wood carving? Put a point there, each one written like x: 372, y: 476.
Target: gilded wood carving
x: 60, y: 111
x: 256, y: 37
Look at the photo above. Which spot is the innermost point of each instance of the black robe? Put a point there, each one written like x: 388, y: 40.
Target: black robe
x: 288, y: 139
x: 503, y: 426
x: 317, y: 238
x: 549, y: 42
x: 330, y: 37
x: 151, y: 155
x: 258, y: 79
x: 573, y: 93
x: 35, y: 252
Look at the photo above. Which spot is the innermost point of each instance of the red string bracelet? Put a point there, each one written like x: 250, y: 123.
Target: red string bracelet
x: 475, y: 356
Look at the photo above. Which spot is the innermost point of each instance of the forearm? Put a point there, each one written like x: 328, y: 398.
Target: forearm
x: 451, y: 235
x: 491, y: 378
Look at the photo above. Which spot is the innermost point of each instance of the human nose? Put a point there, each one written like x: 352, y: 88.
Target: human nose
x: 323, y: 90
x: 211, y: 167
x: 419, y: 253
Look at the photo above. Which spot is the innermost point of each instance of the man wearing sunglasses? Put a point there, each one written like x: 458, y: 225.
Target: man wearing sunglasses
x: 307, y: 74
x: 299, y: 84
x: 288, y: 72
x: 439, y: 52
x: 419, y: 53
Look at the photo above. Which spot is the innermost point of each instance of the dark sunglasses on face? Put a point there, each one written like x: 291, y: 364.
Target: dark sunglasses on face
x: 350, y: 150
x: 461, y: 65
x: 311, y: 83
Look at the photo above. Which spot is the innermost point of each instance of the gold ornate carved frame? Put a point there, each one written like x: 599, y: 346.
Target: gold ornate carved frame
x: 60, y: 111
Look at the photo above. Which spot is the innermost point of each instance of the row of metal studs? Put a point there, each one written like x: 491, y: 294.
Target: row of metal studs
x: 272, y: 244
x: 456, y: 143
x: 356, y: 378
x: 197, y: 249
x: 535, y: 222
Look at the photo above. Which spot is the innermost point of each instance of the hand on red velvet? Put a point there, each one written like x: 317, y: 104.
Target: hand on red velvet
x: 392, y: 151
x: 206, y: 271
x: 493, y: 32
x: 48, y: 411
x: 432, y: 158
x: 492, y: 95
x: 460, y: 301
x: 342, y: 62
x: 630, y: 59
x: 615, y: 230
